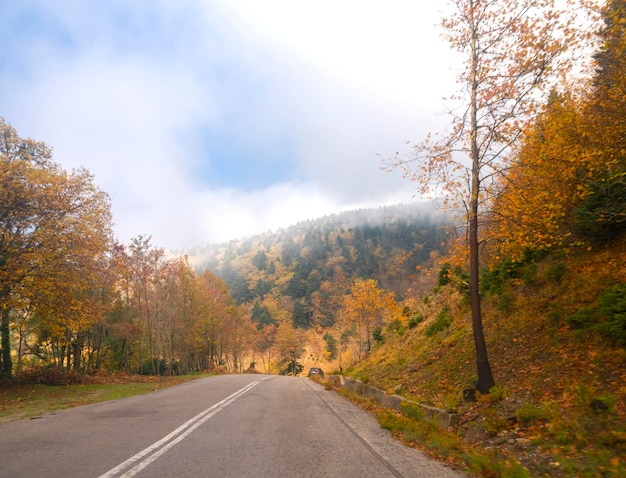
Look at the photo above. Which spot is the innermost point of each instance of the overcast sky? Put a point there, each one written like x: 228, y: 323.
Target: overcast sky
x: 211, y: 120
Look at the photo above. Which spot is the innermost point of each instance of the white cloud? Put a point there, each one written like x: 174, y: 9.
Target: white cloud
x: 274, y: 208
x: 137, y: 99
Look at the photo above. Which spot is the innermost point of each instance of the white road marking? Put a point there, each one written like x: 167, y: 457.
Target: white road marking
x: 154, y: 451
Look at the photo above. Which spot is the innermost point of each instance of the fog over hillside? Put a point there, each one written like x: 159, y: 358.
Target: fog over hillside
x: 388, y: 244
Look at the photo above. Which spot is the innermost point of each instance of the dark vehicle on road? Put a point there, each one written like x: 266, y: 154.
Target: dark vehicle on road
x: 316, y: 371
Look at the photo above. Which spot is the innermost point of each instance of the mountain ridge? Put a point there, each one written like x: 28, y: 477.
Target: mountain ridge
x: 360, y: 241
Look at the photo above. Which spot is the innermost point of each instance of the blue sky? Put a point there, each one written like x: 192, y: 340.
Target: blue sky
x: 211, y: 120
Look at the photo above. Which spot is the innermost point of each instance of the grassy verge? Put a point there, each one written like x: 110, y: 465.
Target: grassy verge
x: 544, y: 441
x: 558, y: 357
x: 415, y: 430
x: 32, y: 400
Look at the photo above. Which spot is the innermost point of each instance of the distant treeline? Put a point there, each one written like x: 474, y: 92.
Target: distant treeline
x: 387, y: 244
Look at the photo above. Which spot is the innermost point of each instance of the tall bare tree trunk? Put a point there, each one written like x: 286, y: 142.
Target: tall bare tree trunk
x: 7, y: 364
x: 485, y: 377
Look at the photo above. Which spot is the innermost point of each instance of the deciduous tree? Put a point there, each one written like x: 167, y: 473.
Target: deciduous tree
x: 330, y: 304
x: 367, y: 305
x: 543, y: 184
x: 566, y: 183
x: 289, y: 343
x: 54, y: 228
x: 512, y: 51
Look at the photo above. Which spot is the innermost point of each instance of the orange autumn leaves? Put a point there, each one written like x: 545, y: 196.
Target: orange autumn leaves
x: 543, y: 184
x: 566, y: 183
x: 369, y: 307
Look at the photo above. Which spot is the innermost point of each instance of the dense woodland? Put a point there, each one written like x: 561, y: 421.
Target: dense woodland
x: 74, y: 298
x: 304, y: 277
x: 363, y: 243
x: 322, y: 291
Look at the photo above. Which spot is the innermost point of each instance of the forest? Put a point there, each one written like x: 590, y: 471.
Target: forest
x: 301, y: 279
x: 500, y: 294
x: 324, y: 291
x: 74, y: 298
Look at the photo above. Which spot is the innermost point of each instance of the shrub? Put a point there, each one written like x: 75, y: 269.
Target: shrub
x: 608, y: 318
x: 463, y: 282
x: 529, y: 413
x: 583, y: 318
x: 444, y: 274
x: 50, y: 375
x: 451, y: 402
x: 601, y: 216
x: 494, y: 423
x: 555, y: 272
x: 412, y: 411
x: 492, y: 280
x: 415, y: 320
x: 498, y: 393
x: 442, y: 322
x: 378, y: 336
x: 155, y: 366
x: 603, y: 404
x: 505, y: 302
x: 528, y: 277
x: 396, y: 327
x: 456, y: 275
x: 613, y: 308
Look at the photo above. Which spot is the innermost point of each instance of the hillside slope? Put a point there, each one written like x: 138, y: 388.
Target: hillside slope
x: 556, y: 332
x: 386, y: 244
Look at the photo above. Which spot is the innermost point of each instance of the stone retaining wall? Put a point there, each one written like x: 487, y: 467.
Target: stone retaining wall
x: 393, y: 402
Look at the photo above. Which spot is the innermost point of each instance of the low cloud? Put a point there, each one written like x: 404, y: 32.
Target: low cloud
x: 205, y: 123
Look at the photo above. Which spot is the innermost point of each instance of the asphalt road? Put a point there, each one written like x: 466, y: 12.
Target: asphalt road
x: 225, y: 426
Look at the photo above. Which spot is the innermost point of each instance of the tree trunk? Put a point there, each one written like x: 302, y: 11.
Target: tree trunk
x: 340, y: 333
x: 485, y: 377
x: 7, y: 364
